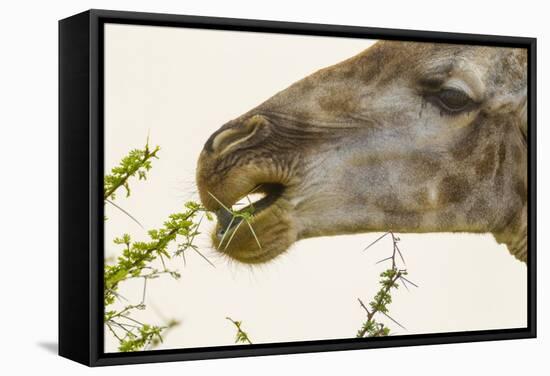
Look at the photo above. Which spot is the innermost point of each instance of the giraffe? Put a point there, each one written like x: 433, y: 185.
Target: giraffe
x: 405, y: 136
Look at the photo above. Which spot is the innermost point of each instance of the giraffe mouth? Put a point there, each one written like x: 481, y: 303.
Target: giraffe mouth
x: 257, y: 228
x: 261, y: 198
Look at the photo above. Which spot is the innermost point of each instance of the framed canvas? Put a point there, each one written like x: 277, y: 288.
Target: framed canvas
x: 234, y: 187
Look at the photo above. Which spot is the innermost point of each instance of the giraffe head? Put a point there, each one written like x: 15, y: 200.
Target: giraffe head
x: 409, y: 137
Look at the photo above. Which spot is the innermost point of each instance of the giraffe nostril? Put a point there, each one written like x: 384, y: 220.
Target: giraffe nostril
x: 228, y: 138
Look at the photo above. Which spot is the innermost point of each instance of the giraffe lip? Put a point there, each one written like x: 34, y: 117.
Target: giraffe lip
x: 228, y: 221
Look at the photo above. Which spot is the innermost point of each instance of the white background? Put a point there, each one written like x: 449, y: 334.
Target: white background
x: 29, y: 186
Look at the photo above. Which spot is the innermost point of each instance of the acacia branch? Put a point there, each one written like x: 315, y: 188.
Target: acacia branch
x: 379, y: 304
x: 137, y: 162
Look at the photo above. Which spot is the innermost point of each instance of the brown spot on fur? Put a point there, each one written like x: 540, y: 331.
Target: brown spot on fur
x: 424, y: 166
x: 338, y: 102
x: 486, y: 164
x: 453, y: 189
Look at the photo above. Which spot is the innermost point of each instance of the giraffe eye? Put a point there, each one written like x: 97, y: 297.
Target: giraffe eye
x: 454, y: 100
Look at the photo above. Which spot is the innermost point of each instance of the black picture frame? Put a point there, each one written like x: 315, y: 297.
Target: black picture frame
x: 81, y: 187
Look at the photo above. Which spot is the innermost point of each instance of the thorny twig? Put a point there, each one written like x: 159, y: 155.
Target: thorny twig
x: 136, y: 162
x: 379, y: 305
